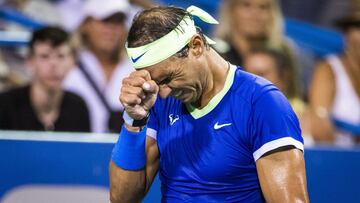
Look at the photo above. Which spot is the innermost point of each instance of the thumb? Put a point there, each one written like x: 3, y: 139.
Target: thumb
x: 150, y: 87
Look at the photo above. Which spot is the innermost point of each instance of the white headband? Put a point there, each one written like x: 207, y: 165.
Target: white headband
x: 171, y: 43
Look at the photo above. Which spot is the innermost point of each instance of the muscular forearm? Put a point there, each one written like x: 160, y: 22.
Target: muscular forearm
x: 126, y: 186
x: 132, y: 185
x: 282, y: 176
x: 135, y: 157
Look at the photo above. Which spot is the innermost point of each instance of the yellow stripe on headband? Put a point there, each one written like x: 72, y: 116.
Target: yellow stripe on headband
x: 166, y: 46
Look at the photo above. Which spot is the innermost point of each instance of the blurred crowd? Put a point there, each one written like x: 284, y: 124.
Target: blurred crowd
x: 69, y: 76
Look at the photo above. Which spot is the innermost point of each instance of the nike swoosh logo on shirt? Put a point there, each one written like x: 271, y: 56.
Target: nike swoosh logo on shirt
x: 217, y: 126
x: 137, y: 58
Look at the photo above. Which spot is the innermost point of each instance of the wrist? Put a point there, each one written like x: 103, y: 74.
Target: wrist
x: 129, y: 151
x: 133, y: 128
x: 131, y: 122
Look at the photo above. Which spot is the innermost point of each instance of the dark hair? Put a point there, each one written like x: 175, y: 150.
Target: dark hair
x: 284, y: 67
x: 55, y: 36
x: 282, y: 62
x: 154, y: 23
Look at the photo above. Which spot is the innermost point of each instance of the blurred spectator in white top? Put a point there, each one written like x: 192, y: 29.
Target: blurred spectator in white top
x: 101, y: 37
x: 335, y: 89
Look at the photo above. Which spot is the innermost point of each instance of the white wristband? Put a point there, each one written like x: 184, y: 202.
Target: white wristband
x: 135, y: 123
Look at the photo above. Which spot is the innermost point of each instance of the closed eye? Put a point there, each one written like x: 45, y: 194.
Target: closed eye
x: 165, y: 81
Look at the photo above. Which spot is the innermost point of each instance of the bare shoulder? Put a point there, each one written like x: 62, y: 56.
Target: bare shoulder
x: 323, y: 70
x: 323, y: 85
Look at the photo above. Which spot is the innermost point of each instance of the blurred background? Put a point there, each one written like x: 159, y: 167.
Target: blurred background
x: 62, y: 63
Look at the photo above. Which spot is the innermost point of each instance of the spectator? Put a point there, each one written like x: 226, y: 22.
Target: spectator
x: 249, y: 24
x: 102, y: 62
x: 275, y: 66
x: 43, y: 104
x: 335, y: 89
x: 252, y: 24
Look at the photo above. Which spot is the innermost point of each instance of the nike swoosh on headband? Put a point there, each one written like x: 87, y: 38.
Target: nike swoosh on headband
x: 160, y: 50
x: 137, y: 58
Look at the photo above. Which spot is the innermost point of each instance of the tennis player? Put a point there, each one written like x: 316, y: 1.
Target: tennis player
x: 215, y: 134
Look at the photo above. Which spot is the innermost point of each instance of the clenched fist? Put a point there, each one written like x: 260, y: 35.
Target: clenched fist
x: 138, y: 94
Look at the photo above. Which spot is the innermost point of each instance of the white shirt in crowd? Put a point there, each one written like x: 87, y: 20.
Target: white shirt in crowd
x: 346, y: 105
x: 76, y: 82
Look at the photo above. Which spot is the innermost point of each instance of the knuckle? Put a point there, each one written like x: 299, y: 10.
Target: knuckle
x: 140, y: 80
x: 124, y: 89
x: 135, y: 81
x: 125, y: 81
x: 122, y: 99
x: 144, y: 74
x: 131, y: 99
x: 134, y: 73
x: 139, y: 91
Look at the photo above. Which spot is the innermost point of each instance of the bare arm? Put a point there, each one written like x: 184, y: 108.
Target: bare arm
x: 322, y: 92
x: 282, y: 176
x: 138, y: 95
x: 132, y: 186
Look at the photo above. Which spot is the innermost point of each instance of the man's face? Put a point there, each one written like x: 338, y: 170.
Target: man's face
x: 252, y: 17
x: 178, y: 77
x: 49, y: 65
x: 106, y: 35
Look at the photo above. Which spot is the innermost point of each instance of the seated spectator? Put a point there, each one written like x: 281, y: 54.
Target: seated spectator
x: 43, y: 104
x: 102, y: 63
x: 246, y: 25
x: 275, y: 66
x: 335, y: 89
x: 250, y: 24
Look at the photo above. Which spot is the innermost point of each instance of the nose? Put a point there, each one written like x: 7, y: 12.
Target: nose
x: 51, y: 63
x: 164, y: 91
